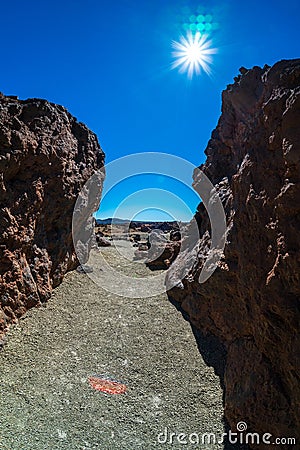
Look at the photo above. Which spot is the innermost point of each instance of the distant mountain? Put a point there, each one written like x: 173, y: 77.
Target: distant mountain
x: 116, y: 221
x: 141, y: 225
x: 112, y: 220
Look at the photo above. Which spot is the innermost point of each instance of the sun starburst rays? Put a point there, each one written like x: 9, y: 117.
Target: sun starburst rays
x: 193, y: 53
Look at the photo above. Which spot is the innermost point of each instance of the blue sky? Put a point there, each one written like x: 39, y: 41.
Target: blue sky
x: 109, y: 63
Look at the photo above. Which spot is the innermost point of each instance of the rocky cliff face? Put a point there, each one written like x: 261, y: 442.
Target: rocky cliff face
x: 250, y: 305
x: 46, y: 156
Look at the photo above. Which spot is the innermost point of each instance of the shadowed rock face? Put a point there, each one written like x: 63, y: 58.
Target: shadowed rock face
x: 46, y: 156
x: 251, y: 303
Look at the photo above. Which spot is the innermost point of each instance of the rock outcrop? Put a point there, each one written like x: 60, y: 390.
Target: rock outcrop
x: 46, y: 156
x: 250, y: 305
x: 162, y: 252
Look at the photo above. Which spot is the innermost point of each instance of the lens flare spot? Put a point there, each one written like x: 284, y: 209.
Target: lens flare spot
x: 200, y: 26
x: 200, y: 9
x: 208, y: 18
x: 192, y: 18
x: 200, y: 18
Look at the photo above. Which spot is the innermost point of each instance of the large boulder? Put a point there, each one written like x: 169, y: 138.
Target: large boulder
x: 250, y: 305
x: 161, y: 255
x: 102, y: 241
x: 46, y: 156
x: 161, y: 251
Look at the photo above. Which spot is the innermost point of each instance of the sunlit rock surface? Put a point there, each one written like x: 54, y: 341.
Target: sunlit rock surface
x: 250, y: 305
x: 46, y: 156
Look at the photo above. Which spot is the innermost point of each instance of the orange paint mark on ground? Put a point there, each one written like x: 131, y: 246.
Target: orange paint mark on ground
x: 107, y: 386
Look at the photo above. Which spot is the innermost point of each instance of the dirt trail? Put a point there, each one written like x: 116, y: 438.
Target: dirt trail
x: 46, y: 401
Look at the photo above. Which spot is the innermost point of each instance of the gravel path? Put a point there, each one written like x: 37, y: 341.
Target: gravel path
x: 46, y: 401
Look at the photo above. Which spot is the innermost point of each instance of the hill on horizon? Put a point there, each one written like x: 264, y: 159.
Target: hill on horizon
x: 117, y: 221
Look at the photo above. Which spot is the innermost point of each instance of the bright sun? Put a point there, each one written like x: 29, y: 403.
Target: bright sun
x: 193, y: 53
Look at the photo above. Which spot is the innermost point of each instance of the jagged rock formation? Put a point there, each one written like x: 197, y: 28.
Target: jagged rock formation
x: 46, y: 156
x: 251, y: 303
x: 161, y: 251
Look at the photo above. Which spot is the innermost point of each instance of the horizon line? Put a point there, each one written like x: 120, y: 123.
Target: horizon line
x: 141, y: 221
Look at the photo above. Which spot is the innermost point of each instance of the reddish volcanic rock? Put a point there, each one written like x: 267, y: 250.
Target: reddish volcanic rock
x: 161, y: 252
x: 251, y: 303
x: 102, y: 241
x: 163, y: 255
x: 46, y: 156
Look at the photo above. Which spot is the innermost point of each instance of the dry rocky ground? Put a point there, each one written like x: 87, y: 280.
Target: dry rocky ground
x: 46, y: 401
